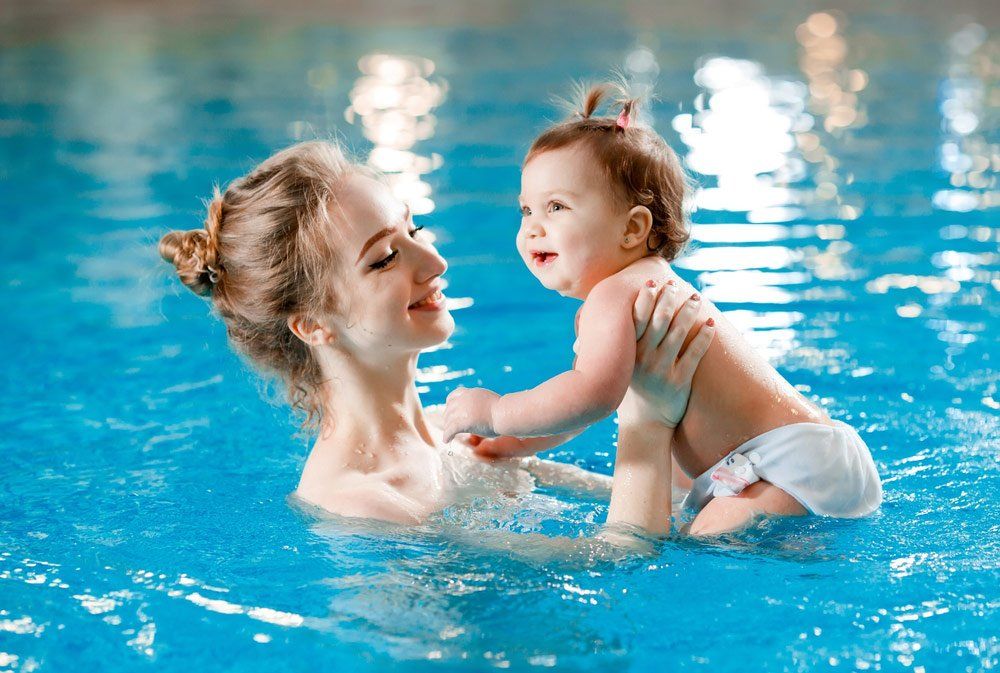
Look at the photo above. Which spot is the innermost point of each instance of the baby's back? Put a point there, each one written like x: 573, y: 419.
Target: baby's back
x: 735, y: 396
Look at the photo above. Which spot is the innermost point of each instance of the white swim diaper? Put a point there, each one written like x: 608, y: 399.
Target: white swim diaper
x: 828, y: 469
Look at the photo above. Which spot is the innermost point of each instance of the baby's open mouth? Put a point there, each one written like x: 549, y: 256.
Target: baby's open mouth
x: 542, y: 258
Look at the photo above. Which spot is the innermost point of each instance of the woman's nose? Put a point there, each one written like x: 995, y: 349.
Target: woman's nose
x: 432, y: 265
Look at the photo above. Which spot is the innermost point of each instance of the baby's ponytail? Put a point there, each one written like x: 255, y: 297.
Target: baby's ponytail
x: 593, y: 99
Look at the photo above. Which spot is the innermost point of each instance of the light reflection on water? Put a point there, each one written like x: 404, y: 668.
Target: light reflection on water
x: 393, y: 100
x: 743, y: 134
x: 969, y: 111
x: 834, y: 91
x: 757, y: 134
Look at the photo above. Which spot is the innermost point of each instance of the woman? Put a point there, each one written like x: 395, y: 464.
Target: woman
x: 321, y: 277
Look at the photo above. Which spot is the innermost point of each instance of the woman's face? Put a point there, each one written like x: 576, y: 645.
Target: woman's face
x: 392, y: 298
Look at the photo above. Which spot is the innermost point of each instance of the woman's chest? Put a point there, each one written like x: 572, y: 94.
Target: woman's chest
x: 420, y: 478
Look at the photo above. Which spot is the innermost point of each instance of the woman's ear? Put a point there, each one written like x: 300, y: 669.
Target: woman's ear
x: 309, y: 331
x: 637, y: 227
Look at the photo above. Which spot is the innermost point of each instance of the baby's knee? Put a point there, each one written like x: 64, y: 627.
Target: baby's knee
x: 769, y: 499
x: 726, y: 514
x: 723, y: 515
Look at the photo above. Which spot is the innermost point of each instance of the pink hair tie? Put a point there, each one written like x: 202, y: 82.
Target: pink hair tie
x: 623, y: 119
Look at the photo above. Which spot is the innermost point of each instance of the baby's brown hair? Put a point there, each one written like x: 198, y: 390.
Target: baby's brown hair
x: 641, y: 168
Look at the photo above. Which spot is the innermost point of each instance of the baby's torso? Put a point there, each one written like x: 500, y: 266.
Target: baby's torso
x: 735, y: 396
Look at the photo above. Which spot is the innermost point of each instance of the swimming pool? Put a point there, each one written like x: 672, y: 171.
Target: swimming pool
x: 847, y: 219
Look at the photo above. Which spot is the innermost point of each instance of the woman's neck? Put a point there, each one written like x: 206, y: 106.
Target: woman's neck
x: 372, y: 412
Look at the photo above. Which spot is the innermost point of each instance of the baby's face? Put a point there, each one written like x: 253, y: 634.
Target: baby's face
x: 571, y: 228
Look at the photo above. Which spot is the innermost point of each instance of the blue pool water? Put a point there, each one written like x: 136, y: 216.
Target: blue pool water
x: 847, y: 220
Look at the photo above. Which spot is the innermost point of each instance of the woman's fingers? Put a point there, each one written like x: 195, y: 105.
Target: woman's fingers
x: 468, y: 439
x: 696, y: 350
x: 679, y: 328
x: 643, y: 307
x: 659, y: 321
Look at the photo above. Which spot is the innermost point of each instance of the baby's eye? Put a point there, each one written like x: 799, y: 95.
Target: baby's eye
x: 414, y: 231
x: 386, y: 261
x: 525, y: 211
x: 556, y: 206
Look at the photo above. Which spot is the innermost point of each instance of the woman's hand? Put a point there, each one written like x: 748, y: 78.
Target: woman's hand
x: 661, y: 381
x: 469, y: 410
x: 494, y: 448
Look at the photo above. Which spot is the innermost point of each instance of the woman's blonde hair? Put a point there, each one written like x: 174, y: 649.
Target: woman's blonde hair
x: 266, y: 253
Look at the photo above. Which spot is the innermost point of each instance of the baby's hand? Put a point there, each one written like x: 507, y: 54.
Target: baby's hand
x: 469, y: 410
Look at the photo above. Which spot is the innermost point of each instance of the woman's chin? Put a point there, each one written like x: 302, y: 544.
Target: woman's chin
x: 436, y: 331
x: 447, y: 326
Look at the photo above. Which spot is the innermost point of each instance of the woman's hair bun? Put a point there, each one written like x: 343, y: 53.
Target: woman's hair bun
x: 195, y: 252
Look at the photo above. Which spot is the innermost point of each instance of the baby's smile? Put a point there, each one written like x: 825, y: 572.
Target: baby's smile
x: 542, y: 258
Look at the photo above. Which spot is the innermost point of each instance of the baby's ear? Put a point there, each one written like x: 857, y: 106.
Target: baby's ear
x: 637, y: 227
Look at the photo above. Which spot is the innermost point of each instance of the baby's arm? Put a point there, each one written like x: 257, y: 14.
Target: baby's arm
x: 592, y: 390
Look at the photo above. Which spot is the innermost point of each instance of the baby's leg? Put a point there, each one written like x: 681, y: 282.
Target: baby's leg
x: 730, y: 513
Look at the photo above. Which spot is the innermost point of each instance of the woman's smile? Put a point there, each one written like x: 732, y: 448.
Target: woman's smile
x: 432, y: 301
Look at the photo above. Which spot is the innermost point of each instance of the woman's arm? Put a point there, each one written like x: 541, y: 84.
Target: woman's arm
x: 640, y: 494
x: 641, y: 486
x: 563, y: 475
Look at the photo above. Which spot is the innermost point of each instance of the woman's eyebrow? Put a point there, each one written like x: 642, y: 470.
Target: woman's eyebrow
x: 379, y: 235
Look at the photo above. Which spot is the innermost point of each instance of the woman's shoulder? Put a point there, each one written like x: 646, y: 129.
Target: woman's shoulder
x: 362, y: 498
x: 434, y: 414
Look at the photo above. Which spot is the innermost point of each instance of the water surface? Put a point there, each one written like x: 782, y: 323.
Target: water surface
x: 846, y: 219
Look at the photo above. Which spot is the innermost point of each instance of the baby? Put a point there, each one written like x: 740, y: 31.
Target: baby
x: 601, y: 218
